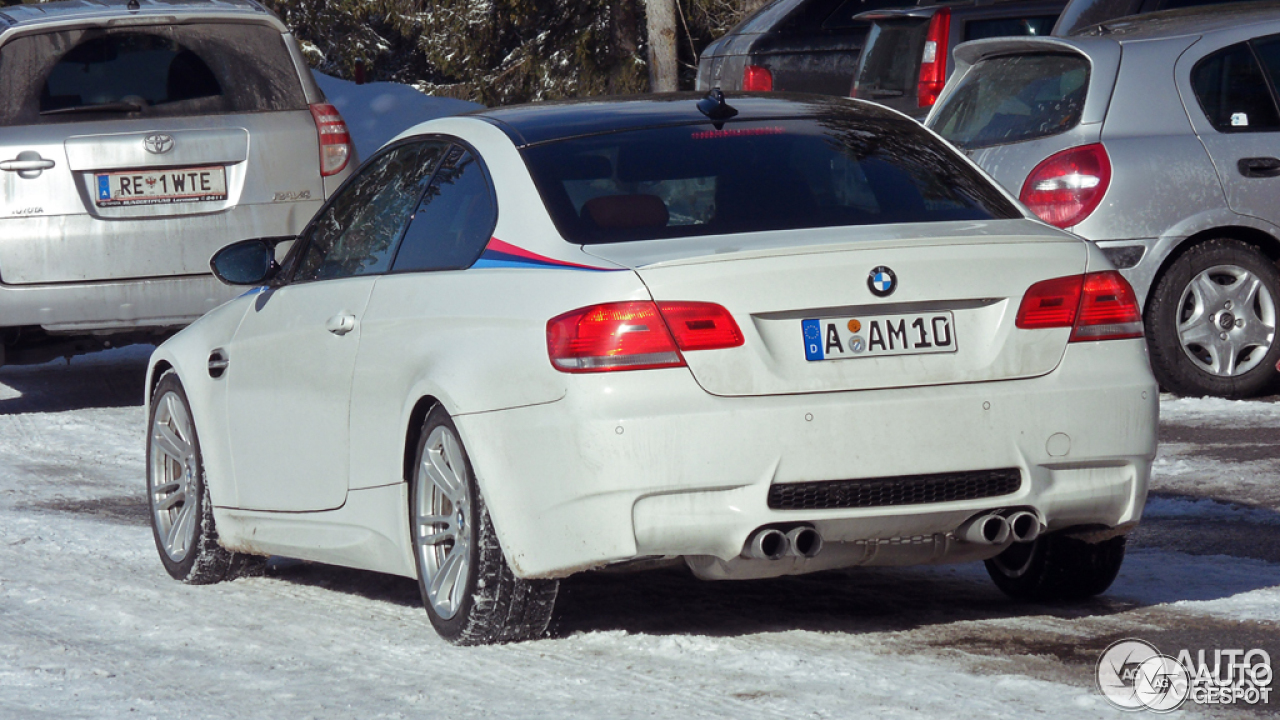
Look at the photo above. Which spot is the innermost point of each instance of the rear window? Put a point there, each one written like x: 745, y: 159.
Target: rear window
x: 149, y: 71
x: 890, y: 64
x: 844, y: 170
x: 1014, y: 98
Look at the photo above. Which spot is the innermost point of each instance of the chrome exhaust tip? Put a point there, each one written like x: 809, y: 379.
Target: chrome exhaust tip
x: 1024, y: 526
x: 767, y: 544
x: 804, y: 542
x: 985, y: 529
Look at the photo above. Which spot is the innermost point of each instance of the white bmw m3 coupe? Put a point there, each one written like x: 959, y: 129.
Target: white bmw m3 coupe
x: 763, y: 335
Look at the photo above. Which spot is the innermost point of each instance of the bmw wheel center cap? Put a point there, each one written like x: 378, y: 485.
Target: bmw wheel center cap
x: 882, y: 282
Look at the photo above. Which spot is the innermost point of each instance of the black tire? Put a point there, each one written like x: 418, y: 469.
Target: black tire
x: 485, y: 603
x: 1188, y: 368
x: 177, y: 493
x: 1056, y: 567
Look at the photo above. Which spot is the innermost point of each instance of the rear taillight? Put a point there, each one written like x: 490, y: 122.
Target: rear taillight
x: 1067, y: 186
x: 1097, y: 306
x: 637, y: 335
x: 933, y: 60
x: 335, y: 139
x: 756, y: 78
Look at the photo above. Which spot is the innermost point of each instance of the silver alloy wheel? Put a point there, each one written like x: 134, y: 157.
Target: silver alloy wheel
x: 1226, y: 320
x: 173, y: 477
x: 441, y: 522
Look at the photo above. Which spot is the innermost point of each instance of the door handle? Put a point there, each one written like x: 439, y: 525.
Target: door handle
x: 28, y: 164
x: 341, y: 324
x: 1259, y: 167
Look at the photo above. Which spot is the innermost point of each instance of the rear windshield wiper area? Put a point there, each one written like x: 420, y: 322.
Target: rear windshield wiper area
x: 119, y: 107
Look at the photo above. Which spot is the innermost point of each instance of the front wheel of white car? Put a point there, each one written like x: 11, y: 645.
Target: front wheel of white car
x: 181, y: 513
x: 1057, y: 567
x: 469, y: 590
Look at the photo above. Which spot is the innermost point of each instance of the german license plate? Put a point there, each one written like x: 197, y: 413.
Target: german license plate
x: 878, y: 336
x: 162, y: 187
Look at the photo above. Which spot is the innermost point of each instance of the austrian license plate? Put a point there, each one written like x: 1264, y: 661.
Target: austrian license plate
x: 878, y: 336
x: 162, y: 187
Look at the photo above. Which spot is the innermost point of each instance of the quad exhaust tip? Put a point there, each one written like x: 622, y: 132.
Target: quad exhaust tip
x: 1024, y: 526
x: 773, y: 544
x: 985, y: 529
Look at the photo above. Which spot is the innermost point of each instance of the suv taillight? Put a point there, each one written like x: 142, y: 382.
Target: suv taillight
x: 1097, y: 306
x: 933, y: 60
x: 1067, y: 186
x: 756, y: 78
x: 637, y: 335
x: 335, y: 139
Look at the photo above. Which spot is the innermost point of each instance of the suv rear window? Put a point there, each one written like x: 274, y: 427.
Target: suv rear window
x: 846, y: 169
x: 890, y: 63
x: 1014, y: 98
x: 152, y: 71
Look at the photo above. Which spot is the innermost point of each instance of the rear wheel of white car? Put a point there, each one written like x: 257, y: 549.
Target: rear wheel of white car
x: 181, y: 513
x: 1057, y: 567
x: 469, y: 590
x: 1211, y: 322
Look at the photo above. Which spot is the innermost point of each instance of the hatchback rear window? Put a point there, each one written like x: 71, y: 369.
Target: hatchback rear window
x: 844, y: 170
x: 1014, y: 98
x: 150, y: 71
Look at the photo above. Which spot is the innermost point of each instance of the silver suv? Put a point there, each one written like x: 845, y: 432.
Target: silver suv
x: 136, y: 138
x: 1159, y: 139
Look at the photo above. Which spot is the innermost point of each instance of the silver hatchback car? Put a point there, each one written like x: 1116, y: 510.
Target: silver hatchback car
x: 1159, y: 139
x: 136, y: 138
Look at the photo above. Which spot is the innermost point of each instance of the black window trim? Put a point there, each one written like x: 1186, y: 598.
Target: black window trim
x: 1269, y: 83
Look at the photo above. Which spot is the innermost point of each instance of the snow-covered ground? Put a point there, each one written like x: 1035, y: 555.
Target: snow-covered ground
x: 92, y: 627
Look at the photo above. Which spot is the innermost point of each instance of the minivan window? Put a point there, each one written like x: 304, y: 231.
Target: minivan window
x: 148, y: 71
x: 1233, y: 92
x: 846, y: 169
x: 1014, y: 98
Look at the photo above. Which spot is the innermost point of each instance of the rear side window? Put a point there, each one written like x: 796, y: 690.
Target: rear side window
x: 454, y: 219
x: 1005, y: 27
x: 356, y: 233
x: 846, y: 169
x: 1014, y: 98
x: 1233, y: 90
x: 160, y: 71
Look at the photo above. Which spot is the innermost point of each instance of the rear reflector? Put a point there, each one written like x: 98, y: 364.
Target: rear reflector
x: 1066, y: 187
x: 335, y: 139
x: 1097, y: 306
x: 756, y: 78
x: 933, y: 59
x: 637, y: 335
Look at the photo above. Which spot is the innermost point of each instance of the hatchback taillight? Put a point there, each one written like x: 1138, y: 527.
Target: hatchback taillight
x: 1096, y: 306
x: 933, y: 59
x: 637, y: 335
x: 335, y: 139
x: 1066, y: 187
x: 756, y: 78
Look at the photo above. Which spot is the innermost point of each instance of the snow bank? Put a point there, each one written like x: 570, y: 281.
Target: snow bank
x: 377, y: 112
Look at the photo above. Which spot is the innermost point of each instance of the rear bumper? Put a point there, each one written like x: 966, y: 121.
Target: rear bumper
x: 642, y: 464
x: 77, y: 308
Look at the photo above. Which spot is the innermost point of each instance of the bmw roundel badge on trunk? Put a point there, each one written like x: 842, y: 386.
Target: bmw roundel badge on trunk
x: 882, y: 282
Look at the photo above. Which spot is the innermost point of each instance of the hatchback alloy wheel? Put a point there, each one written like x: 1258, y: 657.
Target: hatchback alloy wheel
x: 1226, y: 320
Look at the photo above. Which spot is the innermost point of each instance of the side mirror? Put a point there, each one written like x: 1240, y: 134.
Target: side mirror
x: 248, y: 262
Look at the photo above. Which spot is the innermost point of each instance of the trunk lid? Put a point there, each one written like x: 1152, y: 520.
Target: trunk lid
x: 971, y: 274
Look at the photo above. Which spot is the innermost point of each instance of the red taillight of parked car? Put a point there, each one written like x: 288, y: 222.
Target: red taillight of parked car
x: 1096, y: 306
x: 1067, y: 186
x: 335, y: 139
x: 637, y: 335
x: 756, y: 78
x: 933, y: 59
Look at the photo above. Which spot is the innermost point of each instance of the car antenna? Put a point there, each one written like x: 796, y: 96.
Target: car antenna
x: 715, y: 107
x: 133, y: 5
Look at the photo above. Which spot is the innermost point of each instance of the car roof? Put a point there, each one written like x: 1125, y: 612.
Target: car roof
x: 1197, y: 20
x: 546, y: 122
x: 927, y: 8
x: 73, y: 11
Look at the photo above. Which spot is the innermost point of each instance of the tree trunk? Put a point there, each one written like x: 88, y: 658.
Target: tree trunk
x: 661, y: 20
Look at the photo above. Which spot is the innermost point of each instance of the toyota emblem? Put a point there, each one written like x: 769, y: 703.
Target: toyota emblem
x: 158, y: 143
